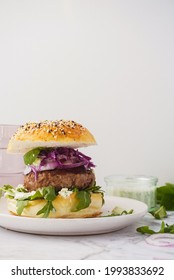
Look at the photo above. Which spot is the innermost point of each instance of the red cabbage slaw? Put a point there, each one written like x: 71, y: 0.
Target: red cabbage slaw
x: 60, y: 158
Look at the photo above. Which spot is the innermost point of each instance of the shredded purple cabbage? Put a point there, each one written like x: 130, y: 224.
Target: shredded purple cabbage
x: 61, y: 158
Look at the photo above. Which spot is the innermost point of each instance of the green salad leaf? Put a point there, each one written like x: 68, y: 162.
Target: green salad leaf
x: 8, y: 190
x: 165, y: 196
x: 94, y: 189
x: 49, y: 194
x: 145, y: 229
x: 20, y: 205
x: 1, y: 192
x: 159, y: 212
x: 118, y: 211
x: 31, y: 156
x: 37, y: 195
x: 46, y: 209
x: 165, y: 228
x: 83, y: 198
x: 7, y: 187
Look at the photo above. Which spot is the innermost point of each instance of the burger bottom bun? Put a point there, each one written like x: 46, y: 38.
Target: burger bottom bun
x: 62, y: 207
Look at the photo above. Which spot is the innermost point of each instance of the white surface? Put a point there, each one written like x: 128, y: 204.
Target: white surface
x: 76, y: 226
x: 106, y: 64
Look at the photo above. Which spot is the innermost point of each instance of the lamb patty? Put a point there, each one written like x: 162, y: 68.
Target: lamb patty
x: 74, y: 177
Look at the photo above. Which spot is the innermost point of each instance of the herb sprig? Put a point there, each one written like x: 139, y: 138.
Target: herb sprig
x: 165, y: 228
x: 158, y: 212
x: 118, y: 211
x: 84, y: 197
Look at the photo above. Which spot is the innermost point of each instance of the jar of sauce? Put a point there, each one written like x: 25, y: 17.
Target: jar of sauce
x: 138, y: 187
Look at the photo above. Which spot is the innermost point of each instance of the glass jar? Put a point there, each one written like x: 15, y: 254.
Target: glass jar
x: 13, y: 179
x: 142, y: 188
x: 11, y: 165
x: 6, y: 132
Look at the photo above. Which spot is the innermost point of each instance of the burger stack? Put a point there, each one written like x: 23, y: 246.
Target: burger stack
x: 59, y: 180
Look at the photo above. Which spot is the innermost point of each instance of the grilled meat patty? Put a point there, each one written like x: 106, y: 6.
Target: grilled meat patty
x: 65, y: 178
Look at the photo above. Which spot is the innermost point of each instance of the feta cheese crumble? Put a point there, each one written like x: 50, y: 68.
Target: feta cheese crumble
x: 65, y: 192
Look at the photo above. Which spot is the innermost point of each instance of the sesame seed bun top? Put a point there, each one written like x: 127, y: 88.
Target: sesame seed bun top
x: 62, y: 133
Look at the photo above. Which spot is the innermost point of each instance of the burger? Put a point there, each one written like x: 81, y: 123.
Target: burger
x: 59, y: 180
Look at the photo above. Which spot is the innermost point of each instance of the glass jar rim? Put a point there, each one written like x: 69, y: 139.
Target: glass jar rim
x: 131, y: 178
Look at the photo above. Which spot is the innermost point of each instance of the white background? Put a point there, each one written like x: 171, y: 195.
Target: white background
x: 108, y: 64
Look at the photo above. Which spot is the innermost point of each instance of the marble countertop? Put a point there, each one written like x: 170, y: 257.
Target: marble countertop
x: 118, y: 245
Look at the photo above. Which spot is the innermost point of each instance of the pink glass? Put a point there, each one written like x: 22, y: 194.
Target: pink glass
x: 11, y: 165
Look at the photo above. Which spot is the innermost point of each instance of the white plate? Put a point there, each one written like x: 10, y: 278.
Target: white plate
x: 76, y: 226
